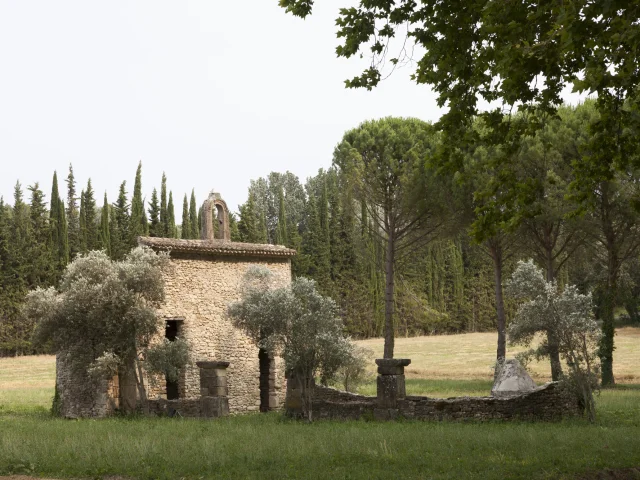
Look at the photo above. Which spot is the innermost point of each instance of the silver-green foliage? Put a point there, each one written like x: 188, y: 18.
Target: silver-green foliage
x: 353, y: 372
x: 103, y: 314
x: 295, y: 322
x: 569, y: 315
x: 167, y: 358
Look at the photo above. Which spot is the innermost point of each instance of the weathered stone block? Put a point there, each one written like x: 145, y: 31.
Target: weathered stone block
x: 386, y: 413
x: 390, y: 389
x: 213, y: 407
x: 212, y: 365
x: 392, y: 366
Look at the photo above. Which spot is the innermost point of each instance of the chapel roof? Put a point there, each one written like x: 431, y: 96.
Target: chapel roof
x: 216, y: 247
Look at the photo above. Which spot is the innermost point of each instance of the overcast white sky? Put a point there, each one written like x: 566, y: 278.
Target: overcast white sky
x: 213, y: 93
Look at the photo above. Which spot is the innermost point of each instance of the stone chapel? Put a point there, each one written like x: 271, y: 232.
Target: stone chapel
x: 205, y: 277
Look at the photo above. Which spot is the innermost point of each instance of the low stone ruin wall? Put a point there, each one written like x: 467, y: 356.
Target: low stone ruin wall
x: 186, y: 407
x: 79, y: 396
x: 329, y: 403
x: 549, y: 402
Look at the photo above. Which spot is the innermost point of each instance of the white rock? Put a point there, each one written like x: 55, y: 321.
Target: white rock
x: 512, y: 379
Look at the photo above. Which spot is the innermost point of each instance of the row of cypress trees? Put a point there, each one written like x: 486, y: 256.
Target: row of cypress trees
x: 37, y: 240
x: 447, y: 287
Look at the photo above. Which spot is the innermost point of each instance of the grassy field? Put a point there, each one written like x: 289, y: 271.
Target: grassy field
x: 472, y: 355
x: 26, y: 384
x: 269, y: 446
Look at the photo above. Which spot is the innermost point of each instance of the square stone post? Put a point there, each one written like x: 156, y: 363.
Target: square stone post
x: 391, y: 386
x: 214, y: 401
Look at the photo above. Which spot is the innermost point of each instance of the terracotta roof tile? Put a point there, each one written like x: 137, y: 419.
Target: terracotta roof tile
x: 216, y: 247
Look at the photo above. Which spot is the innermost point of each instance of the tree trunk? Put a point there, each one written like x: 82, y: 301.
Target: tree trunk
x: 554, y: 356
x: 495, y: 250
x: 128, y: 386
x: 388, y: 296
x: 552, y: 340
x: 141, y: 389
x: 608, y: 331
x: 609, y: 295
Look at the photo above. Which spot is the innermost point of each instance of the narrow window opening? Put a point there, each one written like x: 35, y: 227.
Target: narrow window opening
x: 171, y: 333
x: 220, y: 226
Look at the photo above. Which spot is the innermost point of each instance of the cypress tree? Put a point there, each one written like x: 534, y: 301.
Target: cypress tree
x: 171, y: 218
x: 4, y: 267
x: 315, y: 248
x: 137, y: 226
x: 82, y: 220
x: 164, y: 218
x: 294, y: 240
x: 145, y: 220
x: 40, y: 261
x: 120, y: 232
x: 73, y: 215
x: 282, y: 232
x: 54, y: 205
x: 19, y: 243
x: 263, y: 233
x: 186, y: 219
x: 59, y: 241
x: 323, y: 209
x: 193, y: 217
x: 91, y: 218
x: 336, y: 248
x: 322, y: 241
x: 105, y: 228
x: 154, y: 216
x: 233, y: 228
x: 249, y: 224
x: 15, y: 281
x: 114, y: 233
x: 63, y: 243
x: 6, y: 324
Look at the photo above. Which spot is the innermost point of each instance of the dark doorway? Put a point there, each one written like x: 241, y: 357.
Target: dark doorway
x: 171, y: 333
x: 267, y: 381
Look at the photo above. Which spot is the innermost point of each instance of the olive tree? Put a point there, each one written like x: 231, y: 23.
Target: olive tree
x: 297, y: 323
x: 103, y: 316
x: 566, y: 315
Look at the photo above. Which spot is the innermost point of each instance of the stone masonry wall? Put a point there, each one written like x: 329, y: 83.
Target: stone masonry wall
x: 549, y: 403
x: 198, y: 290
x: 79, y: 396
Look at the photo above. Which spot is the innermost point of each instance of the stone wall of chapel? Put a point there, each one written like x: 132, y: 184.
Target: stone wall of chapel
x: 198, y: 289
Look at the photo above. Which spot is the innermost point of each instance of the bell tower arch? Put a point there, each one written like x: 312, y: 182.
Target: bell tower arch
x: 215, y: 218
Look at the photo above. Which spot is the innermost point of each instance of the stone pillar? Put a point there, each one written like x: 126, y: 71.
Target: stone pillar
x: 391, y: 386
x: 214, y: 400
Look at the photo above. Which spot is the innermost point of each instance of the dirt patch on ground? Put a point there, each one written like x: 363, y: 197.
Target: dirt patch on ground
x: 24, y: 477
x: 613, y: 474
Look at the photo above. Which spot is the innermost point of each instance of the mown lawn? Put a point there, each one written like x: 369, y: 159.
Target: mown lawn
x: 269, y: 446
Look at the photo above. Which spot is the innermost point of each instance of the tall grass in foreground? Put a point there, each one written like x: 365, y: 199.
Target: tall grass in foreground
x: 269, y: 446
